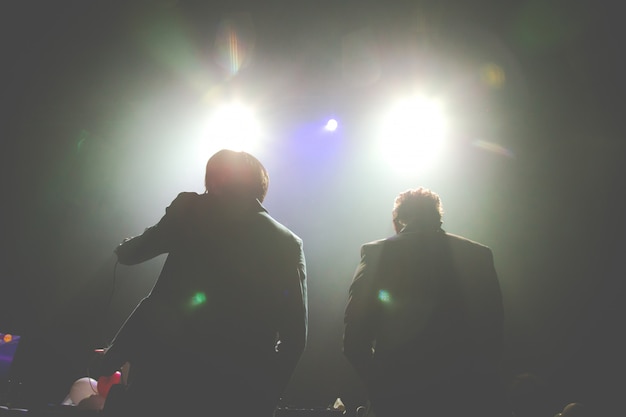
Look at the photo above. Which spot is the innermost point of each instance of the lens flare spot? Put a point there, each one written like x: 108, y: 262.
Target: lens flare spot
x: 384, y: 296
x: 494, y: 148
x: 83, y: 137
x: 7, y: 338
x: 235, y: 42
x: 198, y: 299
x: 493, y: 75
x: 331, y: 125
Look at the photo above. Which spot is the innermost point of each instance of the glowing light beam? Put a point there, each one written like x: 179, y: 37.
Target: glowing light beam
x: 235, y: 127
x: 412, y: 134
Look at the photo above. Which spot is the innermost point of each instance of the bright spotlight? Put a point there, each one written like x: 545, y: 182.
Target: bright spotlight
x: 331, y: 125
x: 235, y: 127
x: 413, y: 133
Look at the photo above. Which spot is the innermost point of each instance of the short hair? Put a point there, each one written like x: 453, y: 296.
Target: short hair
x: 420, y: 207
x: 236, y: 174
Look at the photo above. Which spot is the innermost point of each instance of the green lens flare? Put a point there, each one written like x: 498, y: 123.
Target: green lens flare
x: 384, y: 296
x: 198, y: 299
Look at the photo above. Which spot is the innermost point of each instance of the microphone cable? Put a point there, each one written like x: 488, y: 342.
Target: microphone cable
x: 105, y: 312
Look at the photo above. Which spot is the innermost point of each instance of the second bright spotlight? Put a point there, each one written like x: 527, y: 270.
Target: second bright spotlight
x: 412, y: 133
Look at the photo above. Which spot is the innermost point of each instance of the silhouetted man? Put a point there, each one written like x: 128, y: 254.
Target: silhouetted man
x: 423, y: 324
x: 223, y: 328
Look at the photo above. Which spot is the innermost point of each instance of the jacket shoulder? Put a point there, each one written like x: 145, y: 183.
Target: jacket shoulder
x: 185, y: 202
x: 463, y: 241
x: 273, y: 227
x: 375, y: 243
x: 461, y: 245
x: 373, y: 247
x: 190, y: 197
x: 455, y: 241
x: 185, y: 198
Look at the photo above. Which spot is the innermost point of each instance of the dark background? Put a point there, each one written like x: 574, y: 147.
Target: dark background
x: 94, y: 103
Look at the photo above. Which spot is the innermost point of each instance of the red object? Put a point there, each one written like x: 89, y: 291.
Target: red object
x: 105, y: 383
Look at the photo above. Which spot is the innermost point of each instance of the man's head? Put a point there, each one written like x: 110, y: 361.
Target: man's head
x: 236, y: 175
x: 420, y: 208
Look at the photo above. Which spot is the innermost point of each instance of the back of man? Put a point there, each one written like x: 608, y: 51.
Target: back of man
x: 226, y: 291
x: 424, y: 324
x: 226, y: 322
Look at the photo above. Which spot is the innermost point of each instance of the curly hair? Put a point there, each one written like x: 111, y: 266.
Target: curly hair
x: 236, y: 174
x: 419, y: 207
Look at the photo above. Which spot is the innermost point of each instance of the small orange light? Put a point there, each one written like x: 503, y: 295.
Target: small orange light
x: 493, y: 75
x: 7, y: 338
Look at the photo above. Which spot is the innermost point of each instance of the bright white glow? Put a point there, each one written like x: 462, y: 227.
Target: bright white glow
x: 413, y: 134
x: 331, y: 125
x: 235, y: 127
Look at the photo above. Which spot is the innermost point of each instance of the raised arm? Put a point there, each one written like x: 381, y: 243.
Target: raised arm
x: 157, y: 239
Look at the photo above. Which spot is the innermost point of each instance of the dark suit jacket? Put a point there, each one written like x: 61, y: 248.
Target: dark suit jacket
x: 423, y: 308
x: 231, y: 300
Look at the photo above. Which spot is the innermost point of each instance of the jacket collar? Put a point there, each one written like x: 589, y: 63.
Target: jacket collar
x: 416, y: 229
